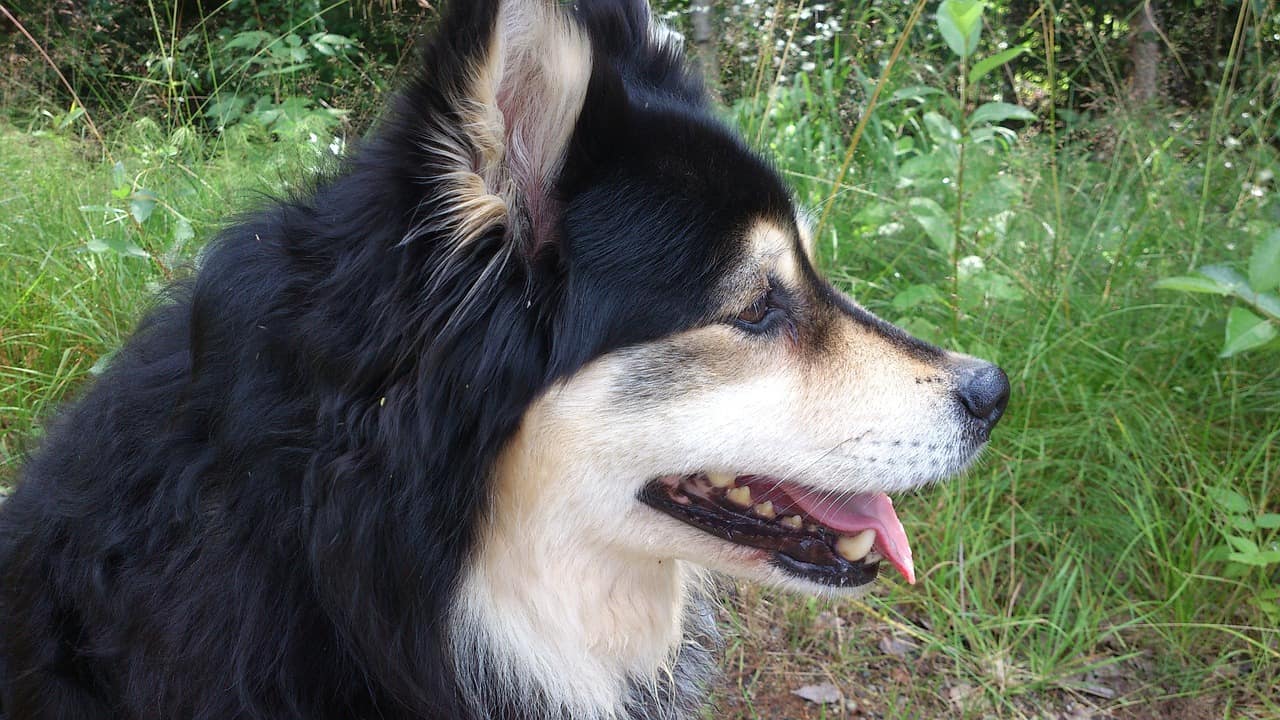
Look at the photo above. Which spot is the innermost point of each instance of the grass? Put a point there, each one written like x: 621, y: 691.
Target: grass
x: 1080, y: 568
x: 64, y: 307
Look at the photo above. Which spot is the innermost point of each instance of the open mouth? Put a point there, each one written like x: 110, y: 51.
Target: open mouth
x: 830, y: 538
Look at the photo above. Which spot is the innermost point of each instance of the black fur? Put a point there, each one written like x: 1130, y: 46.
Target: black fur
x: 262, y: 509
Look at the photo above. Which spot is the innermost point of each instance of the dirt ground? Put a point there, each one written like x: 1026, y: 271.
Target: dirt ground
x: 855, y: 666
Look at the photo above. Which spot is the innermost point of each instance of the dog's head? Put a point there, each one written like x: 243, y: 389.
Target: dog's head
x: 712, y: 397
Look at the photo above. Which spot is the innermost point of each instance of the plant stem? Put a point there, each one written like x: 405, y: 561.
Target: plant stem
x: 866, y: 115
x: 88, y: 119
x: 959, y: 219
x: 1215, y: 114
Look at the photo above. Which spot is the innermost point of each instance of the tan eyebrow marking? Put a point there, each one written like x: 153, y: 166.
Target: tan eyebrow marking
x: 774, y: 251
x: 804, y: 226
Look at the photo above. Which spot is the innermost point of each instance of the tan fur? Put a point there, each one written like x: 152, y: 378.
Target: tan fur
x: 804, y: 225
x: 549, y: 590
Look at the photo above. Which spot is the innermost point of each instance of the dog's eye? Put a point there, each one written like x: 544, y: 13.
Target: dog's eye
x: 755, y: 312
x: 755, y: 316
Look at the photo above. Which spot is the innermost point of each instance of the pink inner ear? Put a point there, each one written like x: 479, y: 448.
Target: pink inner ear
x: 531, y: 162
x: 545, y: 65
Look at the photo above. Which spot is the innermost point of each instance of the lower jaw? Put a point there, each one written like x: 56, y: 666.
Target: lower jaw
x: 806, y: 557
x: 857, y: 575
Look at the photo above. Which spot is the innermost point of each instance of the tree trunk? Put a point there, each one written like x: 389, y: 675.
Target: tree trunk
x: 704, y: 43
x: 1144, y: 55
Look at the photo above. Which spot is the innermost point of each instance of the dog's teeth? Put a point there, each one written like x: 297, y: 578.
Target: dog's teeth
x: 764, y: 510
x: 720, y: 480
x: 855, y: 548
x: 873, y: 556
x: 740, y: 496
x: 792, y: 521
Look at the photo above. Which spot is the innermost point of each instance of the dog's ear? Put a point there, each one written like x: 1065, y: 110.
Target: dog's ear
x: 511, y: 76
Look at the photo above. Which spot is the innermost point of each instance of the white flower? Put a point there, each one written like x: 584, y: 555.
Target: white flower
x: 970, y: 265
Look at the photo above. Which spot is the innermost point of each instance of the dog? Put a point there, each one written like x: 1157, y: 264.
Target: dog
x: 462, y: 431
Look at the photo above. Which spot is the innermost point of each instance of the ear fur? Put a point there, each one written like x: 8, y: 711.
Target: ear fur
x: 516, y: 103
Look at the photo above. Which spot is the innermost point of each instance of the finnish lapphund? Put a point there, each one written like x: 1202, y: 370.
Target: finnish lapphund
x: 459, y: 433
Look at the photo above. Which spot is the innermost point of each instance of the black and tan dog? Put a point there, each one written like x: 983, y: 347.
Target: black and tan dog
x: 455, y: 435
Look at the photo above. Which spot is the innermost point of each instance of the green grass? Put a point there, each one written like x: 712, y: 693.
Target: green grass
x: 63, y: 306
x: 1081, y: 564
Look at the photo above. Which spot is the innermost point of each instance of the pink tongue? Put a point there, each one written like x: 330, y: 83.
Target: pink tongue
x: 851, y: 514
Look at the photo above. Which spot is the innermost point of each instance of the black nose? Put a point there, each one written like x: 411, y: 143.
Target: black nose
x: 983, y: 389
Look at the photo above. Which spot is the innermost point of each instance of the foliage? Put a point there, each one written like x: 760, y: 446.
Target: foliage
x: 1077, y: 52
x: 1251, y: 542
x: 129, y: 58
x: 1260, y: 291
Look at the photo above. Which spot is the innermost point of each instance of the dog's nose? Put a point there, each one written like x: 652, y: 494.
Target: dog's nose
x: 983, y: 389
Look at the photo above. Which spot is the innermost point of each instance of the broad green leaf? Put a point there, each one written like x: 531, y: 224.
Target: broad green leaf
x: 920, y: 167
x: 1264, y: 265
x: 1192, y: 283
x: 226, y: 109
x: 921, y: 328
x: 1243, y: 545
x: 1229, y: 500
x: 987, y: 64
x: 916, y: 295
x: 118, y: 176
x: 941, y: 129
x: 918, y: 93
x: 960, y: 23
x: 935, y: 221
x: 991, y: 132
x: 329, y: 43
x: 1245, y: 331
x: 182, y: 231
x: 141, y: 205
x: 1268, y: 521
x: 1227, y: 277
x: 117, y: 245
x: 1243, y: 523
x: 1260, y: 559
x: 997, y: 286
x: 1267, y: 303
x: 249, y: 39
x: 998, y: 112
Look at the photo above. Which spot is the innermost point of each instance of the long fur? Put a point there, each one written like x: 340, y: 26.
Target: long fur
x: 263, y: 508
